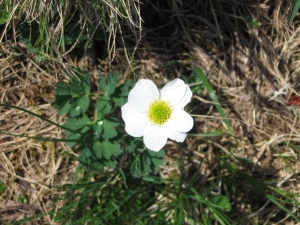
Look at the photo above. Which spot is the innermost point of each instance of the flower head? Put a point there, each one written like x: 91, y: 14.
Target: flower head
x: 158, y: 115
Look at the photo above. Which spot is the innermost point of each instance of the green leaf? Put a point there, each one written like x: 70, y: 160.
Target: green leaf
x: 83, y: 159
x: 120, y: 95
x: 157, y: 160
x: 39, y: 58
x: 137, y: 169
x: 98, y: 128
x: 97, y: 149
x: 109, y: 130
x: 64, y: 107
x: 87, y: 144
x: 103, y: 105
x: 108, y: 85
x: 22, y: 199
x: 33, y: 50
x: 294, y: 10
x: 131, y: 147
x: 147, y: 162
x: 132, y: 144
x: 73, y: 98
x: 75, y: 111
x: 79, y: 126
x: 81, y: 83
x: 96, y: 166
x: 78, y: 122
x: 112, y: 163
x: 105, y: 149
x: 254, y: 22
x: 108, y: 149
x: 4, y: 14
x: 159, y: 154
x: 62, y: 88
x: 86, y: 151
x: 222, y: 201
x: 71, y: 135
x: 196, y: 83
x: 112, y: 81
x: 116, y: 149
x: 84, y: 103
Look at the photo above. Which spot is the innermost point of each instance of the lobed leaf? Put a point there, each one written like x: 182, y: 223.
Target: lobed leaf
x: 97, y: 128
x: 71, y: 135
x: 109, y: 130
x: 108, y: 85
x: 97, y: 149
x: 63, y: 104
x: 132, y: 143
x: 73, y: 97
x: 120, y: 95
x: 147, y: 162
x: 84, y: 103
x: 103, y: 105
x: 78, y: 122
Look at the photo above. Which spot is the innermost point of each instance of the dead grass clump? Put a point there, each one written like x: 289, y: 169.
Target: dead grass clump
x: 53, y: 17
x: 29, y: 167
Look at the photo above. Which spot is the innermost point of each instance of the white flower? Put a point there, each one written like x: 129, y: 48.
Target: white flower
x: 158, y: 115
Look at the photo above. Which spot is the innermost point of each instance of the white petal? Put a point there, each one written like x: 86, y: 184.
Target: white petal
x: 155, y: 137
x: 185, y: 100
x: 135, y: 121
x: 180, y: 121
x: 143, y: 93
x: 176, y: 135
x: 173, y: 92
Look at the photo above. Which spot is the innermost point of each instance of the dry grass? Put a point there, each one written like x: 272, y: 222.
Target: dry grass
x: 27, y: 166
x: 53, y: 17
x: 248, y: 65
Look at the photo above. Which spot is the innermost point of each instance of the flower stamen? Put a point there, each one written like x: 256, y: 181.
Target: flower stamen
x: 159, y: 112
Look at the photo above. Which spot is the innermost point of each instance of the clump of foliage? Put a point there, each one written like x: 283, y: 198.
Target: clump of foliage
x: 93, y: 126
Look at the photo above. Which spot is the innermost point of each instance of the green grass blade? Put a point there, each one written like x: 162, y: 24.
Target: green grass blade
x: 276, y: 202
x: 156, y: 180
x: 123, y: 177
x: 209, y: 134
x: 220, y: 216
x: 214, y: 98
x: 294, y: 10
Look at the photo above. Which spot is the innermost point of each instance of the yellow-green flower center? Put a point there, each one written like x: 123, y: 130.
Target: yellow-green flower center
x: 159, y: 112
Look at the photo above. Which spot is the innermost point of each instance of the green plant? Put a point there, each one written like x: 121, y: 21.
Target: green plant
x: 81, y: 37
x: 3, y: 16
x: 29, y: 37
x: 93, y: 127
x: 23, y: 199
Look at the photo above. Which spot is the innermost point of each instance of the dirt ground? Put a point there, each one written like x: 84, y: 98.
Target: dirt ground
x: 250, y: 54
